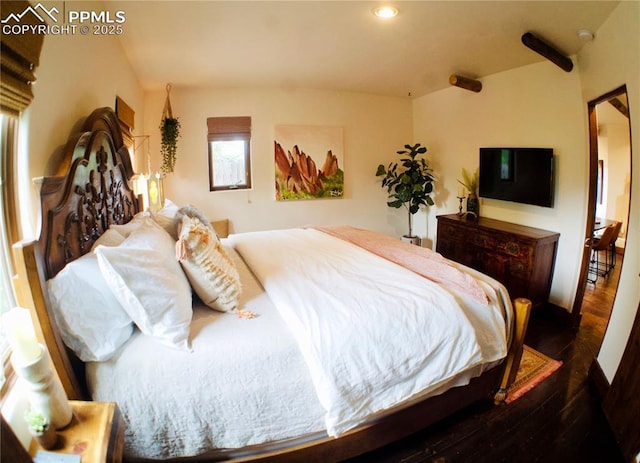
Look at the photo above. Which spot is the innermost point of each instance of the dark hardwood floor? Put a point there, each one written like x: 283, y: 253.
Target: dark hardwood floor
x: 558, y: 421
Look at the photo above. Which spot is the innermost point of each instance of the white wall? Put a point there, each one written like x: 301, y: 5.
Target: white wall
x: 611, y: 60
x: 538, y: 105
x: 76, y: 75
x: 375, y: 127
x: 614, y: 143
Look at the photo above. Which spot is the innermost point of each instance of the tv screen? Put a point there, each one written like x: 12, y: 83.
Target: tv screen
x: 522, y: 175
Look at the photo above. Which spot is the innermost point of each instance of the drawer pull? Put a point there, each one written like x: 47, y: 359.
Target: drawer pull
x: 512, y: 248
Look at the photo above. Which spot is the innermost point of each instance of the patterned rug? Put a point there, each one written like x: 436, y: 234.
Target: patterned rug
x: 534, y: 368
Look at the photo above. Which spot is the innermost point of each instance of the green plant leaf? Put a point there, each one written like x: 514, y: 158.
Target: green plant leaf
x: 409, y: 181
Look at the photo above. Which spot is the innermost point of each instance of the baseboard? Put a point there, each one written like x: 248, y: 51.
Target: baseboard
x: 559, y: 314
x: 598, y: 379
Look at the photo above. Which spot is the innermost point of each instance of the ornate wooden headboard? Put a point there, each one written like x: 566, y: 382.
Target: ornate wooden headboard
x: 93, y: 193
x: 90, y: 191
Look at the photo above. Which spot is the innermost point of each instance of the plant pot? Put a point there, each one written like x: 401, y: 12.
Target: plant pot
x: 47, y: 439
x: 411, y: 239
x: 473, y: 206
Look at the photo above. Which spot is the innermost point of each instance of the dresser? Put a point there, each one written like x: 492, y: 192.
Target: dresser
x: 521, y: 258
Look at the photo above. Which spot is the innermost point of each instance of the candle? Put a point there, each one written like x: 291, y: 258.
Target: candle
x: 460, y: 192
x: 21, y: 335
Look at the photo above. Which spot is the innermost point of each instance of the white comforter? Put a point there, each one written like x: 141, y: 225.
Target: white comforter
x: 371, y: 332
x: 247, y: 381
x: 244, y: 382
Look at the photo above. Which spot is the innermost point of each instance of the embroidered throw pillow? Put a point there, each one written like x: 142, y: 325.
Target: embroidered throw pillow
x: 211, y: 272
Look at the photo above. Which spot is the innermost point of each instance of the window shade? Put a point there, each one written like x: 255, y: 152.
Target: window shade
x: 229, y: 125
x: 19, y: 58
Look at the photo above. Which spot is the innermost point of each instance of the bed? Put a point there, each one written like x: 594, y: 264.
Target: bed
x: 285, y: 366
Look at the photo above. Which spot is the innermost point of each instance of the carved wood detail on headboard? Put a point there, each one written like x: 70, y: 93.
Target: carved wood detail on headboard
x: 93, y: 193
x: 90, y: 191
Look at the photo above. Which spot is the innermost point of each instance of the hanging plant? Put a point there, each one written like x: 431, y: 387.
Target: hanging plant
x: 170, y: 130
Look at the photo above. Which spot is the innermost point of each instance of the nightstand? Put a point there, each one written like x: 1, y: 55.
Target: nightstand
x: 96, y: 432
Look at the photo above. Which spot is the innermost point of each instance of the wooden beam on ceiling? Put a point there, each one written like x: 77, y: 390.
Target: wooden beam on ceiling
x: 546, y: 50
x: 465, y: 82
x: 620, y: 106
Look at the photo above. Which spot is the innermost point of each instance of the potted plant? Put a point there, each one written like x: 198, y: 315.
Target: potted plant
x: 170, y: 130
x: 471, y: 182
x: 41, y: 429
x: 409, y: 183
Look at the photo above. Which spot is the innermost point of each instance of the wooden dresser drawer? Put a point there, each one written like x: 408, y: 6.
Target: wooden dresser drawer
x: 522, y: 258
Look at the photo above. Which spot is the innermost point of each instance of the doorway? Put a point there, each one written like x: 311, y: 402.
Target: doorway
x: 609, y: 184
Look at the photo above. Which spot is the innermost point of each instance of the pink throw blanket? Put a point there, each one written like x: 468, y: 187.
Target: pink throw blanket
x: 422, y: 261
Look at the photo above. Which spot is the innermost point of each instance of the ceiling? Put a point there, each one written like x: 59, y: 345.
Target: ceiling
x: 341, y: 45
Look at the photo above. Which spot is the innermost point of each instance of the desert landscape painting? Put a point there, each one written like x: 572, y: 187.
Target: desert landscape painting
x: 308, y: 162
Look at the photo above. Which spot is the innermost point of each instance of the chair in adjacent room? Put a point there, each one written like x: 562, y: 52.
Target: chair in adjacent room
x: 603, y: 245
x: 617, y: 226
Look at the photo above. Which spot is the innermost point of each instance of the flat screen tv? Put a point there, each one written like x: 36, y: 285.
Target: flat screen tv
x: 522, y: 175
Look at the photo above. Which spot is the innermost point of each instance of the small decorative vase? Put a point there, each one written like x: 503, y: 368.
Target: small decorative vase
x: 48, y: 438
x: 473, y: 206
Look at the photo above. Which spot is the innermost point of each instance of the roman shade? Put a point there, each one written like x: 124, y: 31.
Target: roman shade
x: 20, y: 56
x: 222, y: 126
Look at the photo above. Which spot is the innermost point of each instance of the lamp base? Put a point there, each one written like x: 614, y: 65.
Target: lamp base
x: 45, y: 392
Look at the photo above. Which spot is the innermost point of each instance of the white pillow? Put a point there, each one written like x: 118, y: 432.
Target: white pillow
x: 146, y: 278
x: 169, y: 209
x: 127, y: 228
x: 165, y: 217
x: 111, y: 237
x: 212, y: 274
x: 92, y: 322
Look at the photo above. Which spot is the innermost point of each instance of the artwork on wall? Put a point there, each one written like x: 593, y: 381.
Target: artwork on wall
x: 308, y: 162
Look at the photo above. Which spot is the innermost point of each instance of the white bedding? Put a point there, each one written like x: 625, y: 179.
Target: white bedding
x: 250, y: 381
x: 245, y: 382
x: 372, y: 333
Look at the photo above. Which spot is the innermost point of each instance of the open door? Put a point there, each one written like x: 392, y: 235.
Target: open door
x: 609, y: 109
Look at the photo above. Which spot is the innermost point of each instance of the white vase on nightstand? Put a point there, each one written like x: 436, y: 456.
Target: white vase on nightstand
x: 44, y: 390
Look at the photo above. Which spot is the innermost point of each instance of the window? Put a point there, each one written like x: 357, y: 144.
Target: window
x: 18, y: 62
x: 7, y: 295
x: 229, y: 140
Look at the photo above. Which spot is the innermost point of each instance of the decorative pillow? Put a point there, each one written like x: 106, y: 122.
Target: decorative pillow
x: 194, y: 212
x: 211, y: 272
x: 147, y: 280
x: 92, y: 322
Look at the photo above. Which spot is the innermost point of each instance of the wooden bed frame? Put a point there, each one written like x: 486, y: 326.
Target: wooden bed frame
x: 91, y: 191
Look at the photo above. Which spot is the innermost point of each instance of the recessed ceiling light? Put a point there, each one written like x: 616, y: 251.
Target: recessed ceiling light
x: 385, y: 12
